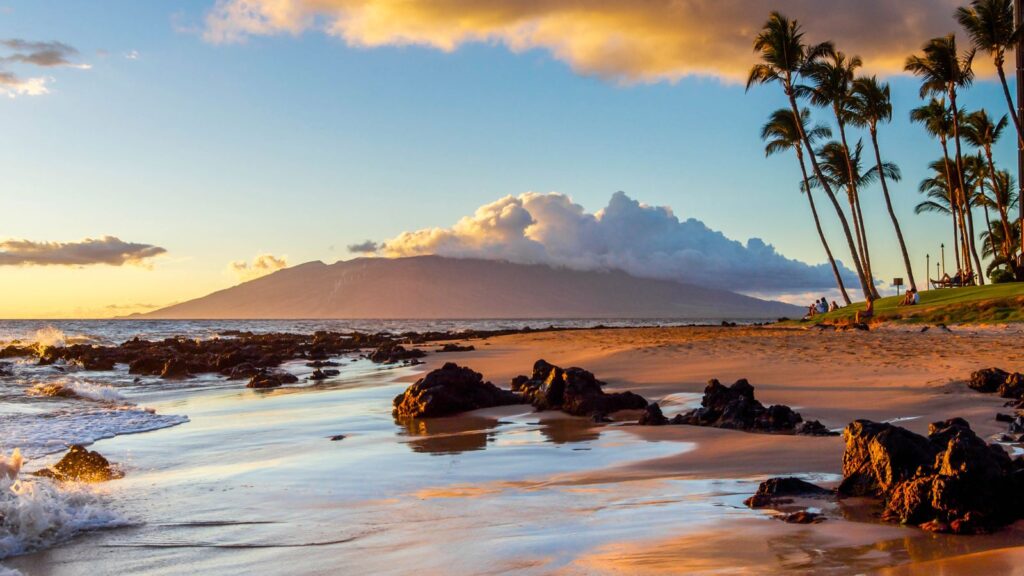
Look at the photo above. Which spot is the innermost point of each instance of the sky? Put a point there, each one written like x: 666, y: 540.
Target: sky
x: 156, y: 151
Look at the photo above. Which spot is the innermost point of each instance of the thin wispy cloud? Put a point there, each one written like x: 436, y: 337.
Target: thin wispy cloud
x: 33, y: 55
x: 646, y: 241
x: 625, y: 40
x: 108, y: 250
x: 261, y: 265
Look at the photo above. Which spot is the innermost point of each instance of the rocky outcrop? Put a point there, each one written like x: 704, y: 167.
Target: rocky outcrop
x: 394, y: 353
x: 456, y: 348
x: 653, y: 416
x: 449, y: 390
x: 951, y: 481
x: 81, y: 465
x: 271, y: 379
x: 989, y: 380
x: 572, y: 390
x: 174, y: 369
x: 734, y: 407
x: 323, y: 374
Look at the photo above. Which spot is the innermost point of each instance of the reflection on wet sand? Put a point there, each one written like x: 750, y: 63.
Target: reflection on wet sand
x: 468, y: 433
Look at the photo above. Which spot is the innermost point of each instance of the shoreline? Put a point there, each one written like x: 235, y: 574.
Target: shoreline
x: 677, y: 473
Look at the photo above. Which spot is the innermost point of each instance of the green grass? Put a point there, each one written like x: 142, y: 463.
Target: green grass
x: 993, y: 304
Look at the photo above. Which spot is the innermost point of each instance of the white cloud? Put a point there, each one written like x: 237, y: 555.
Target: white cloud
x: 646, y: 241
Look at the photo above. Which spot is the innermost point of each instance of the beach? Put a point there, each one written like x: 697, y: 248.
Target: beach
x: 254, y: 482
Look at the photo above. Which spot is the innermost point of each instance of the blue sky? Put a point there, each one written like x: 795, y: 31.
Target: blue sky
x: 298, y: 145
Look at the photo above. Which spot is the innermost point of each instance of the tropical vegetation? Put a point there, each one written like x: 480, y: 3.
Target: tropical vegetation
x: 981, y: 202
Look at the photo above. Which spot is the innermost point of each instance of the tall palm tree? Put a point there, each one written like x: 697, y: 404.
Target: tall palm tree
x: 982, y: 133
x: 783, y: 55
x: 831, y: 77
x: 996, y: 235
x: 979, y: 181
x: 992, y: 28
x: 938, y: 121
x: 871, y: 104
x: 781, y: 133
x: 944, y: 71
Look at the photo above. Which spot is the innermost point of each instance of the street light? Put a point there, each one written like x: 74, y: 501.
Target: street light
x: 927, y: 271
x: 943, y: 259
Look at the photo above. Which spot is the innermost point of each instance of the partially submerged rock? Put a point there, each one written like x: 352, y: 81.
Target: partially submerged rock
x: 951, y: 481
x: 449, y: 390
x: 572, y: 390
x: 81, y: 465
x: 323, y: 374
x: 779, y: 490
x: 271, y: 379
x: 653, y: 416
x: 734, y: 407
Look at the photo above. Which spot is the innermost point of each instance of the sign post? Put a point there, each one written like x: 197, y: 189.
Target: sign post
x: 897, y: 282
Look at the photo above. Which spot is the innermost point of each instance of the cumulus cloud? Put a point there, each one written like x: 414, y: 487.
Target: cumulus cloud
x: 646, y: 241
x: 628, y: 40
x: 368, y: 247
x: 33, y: 55
x: 261, y: 265
x: 107, y: 250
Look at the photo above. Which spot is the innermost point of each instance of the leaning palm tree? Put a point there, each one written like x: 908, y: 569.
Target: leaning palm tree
x: 982, y: 133
x: 831, y: 77
x: 938, y: 121
x: 871, y: 104
x: 944, y: 71
x: 783, y: 55
x: 992, y: 28
x: 781, y: 133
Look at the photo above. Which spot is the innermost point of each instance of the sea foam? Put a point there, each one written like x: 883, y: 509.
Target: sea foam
x: 38, y: 513
x: 78, y: 389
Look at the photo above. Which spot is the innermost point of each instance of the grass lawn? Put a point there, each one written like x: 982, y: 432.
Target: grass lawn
x: 993, y: 304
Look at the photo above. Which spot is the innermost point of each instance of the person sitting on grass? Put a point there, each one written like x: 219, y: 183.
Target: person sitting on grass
x: 866, y: 314
x: 908, y: 298
x: 834, y: 306
x: 822, y: 306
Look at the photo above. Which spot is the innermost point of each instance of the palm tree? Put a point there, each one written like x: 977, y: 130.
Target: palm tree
x: 943, y: 198
x: 781, y: 133
x: 992, y: 28
x: 872, y: 104
x: 982, y: 133
x: 979, y: 180
x: 938, y: 121
x: 996, y: 234
x: 783, y: 55
x: 943, y: 71
x: 831, y: 76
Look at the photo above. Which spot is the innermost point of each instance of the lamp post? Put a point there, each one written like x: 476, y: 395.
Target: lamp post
x: 943, y: 259
x: 927, y: 270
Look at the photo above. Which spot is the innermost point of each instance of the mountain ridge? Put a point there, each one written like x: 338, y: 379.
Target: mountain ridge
x: 435, y: 287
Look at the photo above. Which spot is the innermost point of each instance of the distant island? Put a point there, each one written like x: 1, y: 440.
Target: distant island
x: 434, y: 287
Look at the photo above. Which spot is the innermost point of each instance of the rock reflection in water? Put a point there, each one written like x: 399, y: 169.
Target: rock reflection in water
x: 460, y: 434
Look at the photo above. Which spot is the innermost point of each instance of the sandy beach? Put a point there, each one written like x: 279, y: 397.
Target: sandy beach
x: 252, y: 484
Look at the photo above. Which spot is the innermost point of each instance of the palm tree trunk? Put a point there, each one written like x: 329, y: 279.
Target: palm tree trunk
x: 828, y: 190
x: 1009, y: 103
x: 999, y: 203
x: 974, y: 248
x: 892, y: 213
x: 858, y: 217
x: 821, y: 233
x: 963, y: 189
x: 991, y: 236
x: 953, y: 202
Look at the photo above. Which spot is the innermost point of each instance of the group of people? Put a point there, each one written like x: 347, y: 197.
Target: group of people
x: 911, y: 298
x: 821, y: 306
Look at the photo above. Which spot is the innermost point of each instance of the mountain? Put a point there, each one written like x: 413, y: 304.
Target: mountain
x: 433, y: 287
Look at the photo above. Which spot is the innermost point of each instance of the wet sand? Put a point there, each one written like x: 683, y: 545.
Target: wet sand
x: 252, y: 484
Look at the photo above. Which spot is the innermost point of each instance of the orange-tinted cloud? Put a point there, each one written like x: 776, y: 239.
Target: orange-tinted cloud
x: 261, y: 265
x: 625, y: 40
